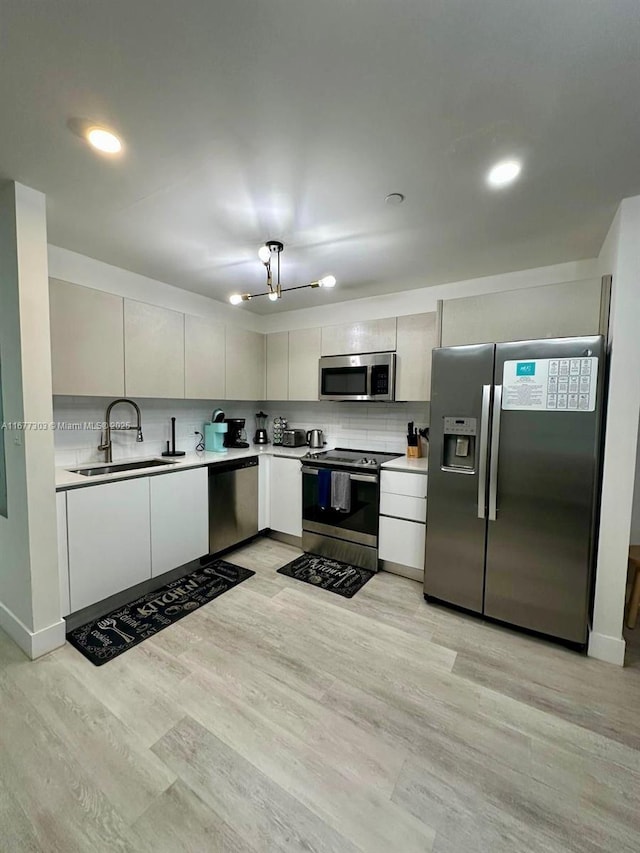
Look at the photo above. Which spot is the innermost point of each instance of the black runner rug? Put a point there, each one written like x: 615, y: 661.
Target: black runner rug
x: 122, y: 629
x: 341, y: 578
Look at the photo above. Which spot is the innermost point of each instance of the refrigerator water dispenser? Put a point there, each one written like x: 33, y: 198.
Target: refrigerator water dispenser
x: 459, y: 445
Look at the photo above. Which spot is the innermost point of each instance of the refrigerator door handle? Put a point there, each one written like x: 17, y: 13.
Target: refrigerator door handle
x: 495, y: 448
x: 482, y: 453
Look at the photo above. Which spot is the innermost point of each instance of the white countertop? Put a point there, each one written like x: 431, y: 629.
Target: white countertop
x: 65, y: 479
x: 407, y: 464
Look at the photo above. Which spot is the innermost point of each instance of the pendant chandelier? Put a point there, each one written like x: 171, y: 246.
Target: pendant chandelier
x: 269, y: 254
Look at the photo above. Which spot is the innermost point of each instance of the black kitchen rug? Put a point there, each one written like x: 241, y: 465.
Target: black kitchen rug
x: 122, y: 629
x: 341, y: 578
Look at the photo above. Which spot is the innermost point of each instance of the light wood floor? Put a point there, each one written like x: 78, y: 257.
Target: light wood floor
x: 283, y: 718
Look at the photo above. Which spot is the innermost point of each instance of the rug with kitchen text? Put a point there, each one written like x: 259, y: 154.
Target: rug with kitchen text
x: 332, y: 575
x: 122, y: 629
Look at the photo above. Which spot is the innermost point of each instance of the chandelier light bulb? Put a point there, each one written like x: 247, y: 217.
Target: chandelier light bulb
x: 264, y: 253
x: 235, y: 299
x: 273, y: 296
x: 327, y: 281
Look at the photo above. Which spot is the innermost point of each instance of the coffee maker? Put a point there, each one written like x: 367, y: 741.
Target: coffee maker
x: 261, y: 436
x: 235, y: 435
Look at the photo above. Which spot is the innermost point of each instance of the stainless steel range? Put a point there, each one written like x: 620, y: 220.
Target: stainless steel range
x: 340, y: 504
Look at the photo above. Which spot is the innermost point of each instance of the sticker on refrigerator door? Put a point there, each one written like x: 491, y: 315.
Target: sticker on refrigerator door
x: 525, y: 368
x: 550, y: 385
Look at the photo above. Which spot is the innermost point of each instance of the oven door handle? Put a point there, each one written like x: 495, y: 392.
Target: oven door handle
x: 360, y: 478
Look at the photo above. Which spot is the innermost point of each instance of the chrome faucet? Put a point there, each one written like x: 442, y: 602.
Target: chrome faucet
x: 106, y: 443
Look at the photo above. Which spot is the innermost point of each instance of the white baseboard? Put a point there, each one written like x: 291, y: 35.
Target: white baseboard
x: 33, y: 643
x: 609, y: 649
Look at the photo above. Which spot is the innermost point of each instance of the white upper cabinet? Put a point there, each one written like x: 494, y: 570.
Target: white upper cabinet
x: 278, y: 366
x: 304, y: 352
x: 154, y: 351
x: 416, y: 340
x: 87, y: 341
x: 368, y: 336
x: 553, y: 311
x: 245, y: 364
x: 204, y: 358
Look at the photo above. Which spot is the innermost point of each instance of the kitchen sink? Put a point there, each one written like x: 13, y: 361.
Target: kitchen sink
x: 119, y: 466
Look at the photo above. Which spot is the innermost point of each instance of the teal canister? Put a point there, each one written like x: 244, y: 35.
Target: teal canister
x: 214, y: 437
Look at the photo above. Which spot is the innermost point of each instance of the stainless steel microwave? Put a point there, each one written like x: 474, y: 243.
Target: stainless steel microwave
x: 358, y: 377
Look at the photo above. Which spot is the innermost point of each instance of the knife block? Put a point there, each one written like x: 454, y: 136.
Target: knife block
x: 414, y: 452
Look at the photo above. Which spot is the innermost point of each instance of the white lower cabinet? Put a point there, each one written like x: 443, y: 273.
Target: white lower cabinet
x: 402, y: 542
x: 403, y: 513
x: 109, y: 533
x: 63, y: 553
x: 179, y: 518
x: 286, y: 495
x: 264, y: 492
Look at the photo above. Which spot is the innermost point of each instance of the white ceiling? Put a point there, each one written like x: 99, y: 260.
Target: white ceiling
x: 292, y: 119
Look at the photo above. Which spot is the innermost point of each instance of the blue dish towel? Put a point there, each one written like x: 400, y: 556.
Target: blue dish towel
x: 324, y: 488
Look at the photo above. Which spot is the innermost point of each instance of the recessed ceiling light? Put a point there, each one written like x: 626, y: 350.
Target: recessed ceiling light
x: 504, y: 173
x: 394, y: 199
x: 103, y: 140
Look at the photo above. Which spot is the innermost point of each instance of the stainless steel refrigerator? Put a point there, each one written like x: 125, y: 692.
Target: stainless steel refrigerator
x: 514, y: 478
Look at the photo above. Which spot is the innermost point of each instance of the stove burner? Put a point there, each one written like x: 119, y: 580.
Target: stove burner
x: 365, y: 461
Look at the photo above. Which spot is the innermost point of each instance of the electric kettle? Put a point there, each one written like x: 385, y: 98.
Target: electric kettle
x: 315, y: 438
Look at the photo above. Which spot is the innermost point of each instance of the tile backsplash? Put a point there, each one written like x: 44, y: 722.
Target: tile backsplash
x: 361, y: 426
x: 365, y: 426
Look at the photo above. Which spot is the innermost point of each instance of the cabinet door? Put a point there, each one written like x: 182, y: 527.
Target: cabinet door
x: 404, y: 483
x: 63, y: 553
x: 278, y: 366
x: 401, y: 542
x: 402, y: 506
x: 416, y: 340
x: 367, y: 336
x: 286, y: 495
x: 154, y: 351
x: 245, y: 364
x: 553, y: 311
x: 109, y: 535
x: 264, y: 492
x: 304, y: 353
x: 179, y: 519
x: 204, y: 358
x: 87, y: 341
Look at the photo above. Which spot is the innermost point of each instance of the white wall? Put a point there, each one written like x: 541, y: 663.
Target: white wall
x: 635, y: 514
x: 79, y: 269
x: 424, y: 299
x: 620, y: 256
x: 29, y: 596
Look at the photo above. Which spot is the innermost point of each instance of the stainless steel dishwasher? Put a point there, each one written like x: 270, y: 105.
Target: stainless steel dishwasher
x: 233, y: 503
